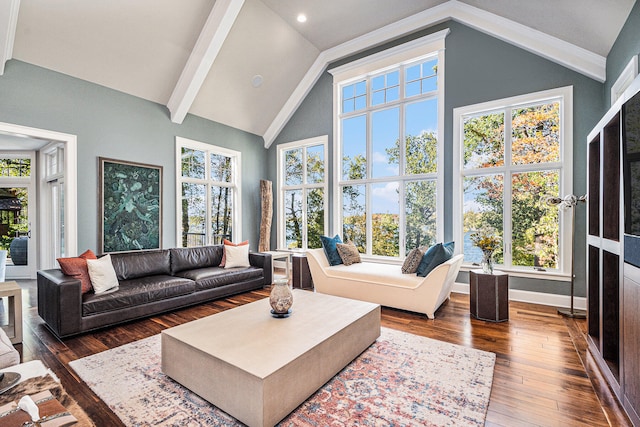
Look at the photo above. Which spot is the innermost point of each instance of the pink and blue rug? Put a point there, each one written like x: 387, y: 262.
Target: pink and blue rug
x: 401, y: 380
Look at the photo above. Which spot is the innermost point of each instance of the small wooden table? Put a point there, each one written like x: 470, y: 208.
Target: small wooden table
x: 489, y: 295
x: 13, y: 293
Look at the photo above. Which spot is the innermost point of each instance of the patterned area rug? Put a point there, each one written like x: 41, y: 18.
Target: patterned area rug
x: 401, y: 380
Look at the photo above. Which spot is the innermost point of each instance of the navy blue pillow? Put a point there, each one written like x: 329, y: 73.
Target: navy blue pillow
x: 330, y: 249
x: 435, y: 255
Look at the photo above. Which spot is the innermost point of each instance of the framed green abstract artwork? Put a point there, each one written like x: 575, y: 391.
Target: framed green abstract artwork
x: 130, y: 206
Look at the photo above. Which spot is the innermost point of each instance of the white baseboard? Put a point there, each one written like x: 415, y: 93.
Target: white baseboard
x: 564, y: 301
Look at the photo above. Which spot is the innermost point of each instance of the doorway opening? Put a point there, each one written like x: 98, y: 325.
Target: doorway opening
x: 37, y: 222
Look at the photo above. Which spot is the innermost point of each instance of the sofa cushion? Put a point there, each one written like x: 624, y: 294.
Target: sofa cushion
x: 9, y: 356
x: 227, y: 243
x: 76, y: 267
x: 236, y: 256
x: 103, y: 276
x: 330, y: 249
x: 213, y: 277
x: 137, y: 292
x: 411, y: 263
x: 131, y: 265
x: 436, y: 255
x: 348, y: 253
x: 199, y: 257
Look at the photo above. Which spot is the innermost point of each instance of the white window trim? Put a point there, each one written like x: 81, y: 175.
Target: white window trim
x: 309, y: 142
x: 236, y: 184
x: 565, y: 94
x: 625, y: 79
x: 432, y: 45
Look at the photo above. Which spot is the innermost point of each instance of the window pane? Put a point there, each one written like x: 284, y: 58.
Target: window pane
x: 377, y: 83
x: 220, y: 168
x: 412, y: 88
x: 482, y: 209
x: 384, y: 138
x: 354, y: 97
x: 536, y: 134
x: 421, y: 143
x: 430, y: 68
x: 15, y: 167
x: 420, y: 205
x: 354, y: 217
x: 422, y: 78
x: 535, y: 224
x: 221, y: 214
x: 429, y: 84
x: 193, y: 214
x: 293, y: 167
x: 354, y: 148
x: 412, y: 73
x: 293, y: 218
x: 192, y: 163
x: 348, y: 91
x: 315, y: 217
x: 484, y: 141
x: 315, y: 164
x: 377, y: 98
x: 385, y: 208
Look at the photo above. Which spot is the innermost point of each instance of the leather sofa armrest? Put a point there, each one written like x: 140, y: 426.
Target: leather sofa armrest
x: 264, y: 261
x: 60, y: 302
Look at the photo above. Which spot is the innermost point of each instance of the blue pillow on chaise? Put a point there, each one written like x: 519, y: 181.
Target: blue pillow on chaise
x: 435, y: 255
x: 330, y: 249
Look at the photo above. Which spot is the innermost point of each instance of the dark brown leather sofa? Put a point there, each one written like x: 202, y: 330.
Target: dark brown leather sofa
x: 151, y: 282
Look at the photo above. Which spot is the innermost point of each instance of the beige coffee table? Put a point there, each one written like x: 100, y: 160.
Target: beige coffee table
x: 258, y: 368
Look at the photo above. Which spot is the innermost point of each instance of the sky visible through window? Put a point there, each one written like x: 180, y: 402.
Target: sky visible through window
x: 420, y: 117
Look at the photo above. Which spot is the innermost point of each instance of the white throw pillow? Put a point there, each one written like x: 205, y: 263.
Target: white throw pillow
x: 237, y: 256
x: 103, y: 276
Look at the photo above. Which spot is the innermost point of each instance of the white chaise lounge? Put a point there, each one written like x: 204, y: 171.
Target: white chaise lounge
x: 385, y: 284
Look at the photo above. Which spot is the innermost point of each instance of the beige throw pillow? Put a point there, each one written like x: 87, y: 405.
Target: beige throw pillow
x: 103, y: 276
x: 348, y: 252
x: 237, y: 256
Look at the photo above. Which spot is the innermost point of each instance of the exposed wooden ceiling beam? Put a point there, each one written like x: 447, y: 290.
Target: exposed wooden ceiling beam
x: 215, y: 31
x: 8, y: 23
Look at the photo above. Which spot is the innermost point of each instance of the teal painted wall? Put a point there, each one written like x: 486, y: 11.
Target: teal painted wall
x: 112, y: 124
x: 626, y: 46
x: 478, y: 68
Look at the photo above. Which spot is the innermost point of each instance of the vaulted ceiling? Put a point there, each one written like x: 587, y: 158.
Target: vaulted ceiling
x: 249, y: 63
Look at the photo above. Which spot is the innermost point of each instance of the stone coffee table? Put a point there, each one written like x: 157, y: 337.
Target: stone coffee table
x: 258, y: 368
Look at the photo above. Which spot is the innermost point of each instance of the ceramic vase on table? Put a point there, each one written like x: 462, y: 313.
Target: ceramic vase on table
x: 281, y: 298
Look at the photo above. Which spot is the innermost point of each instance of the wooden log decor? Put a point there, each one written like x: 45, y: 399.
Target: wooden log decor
x: 266, y: 199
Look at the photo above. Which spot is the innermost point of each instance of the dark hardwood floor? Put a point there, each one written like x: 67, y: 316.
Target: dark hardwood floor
x: 543, y: 376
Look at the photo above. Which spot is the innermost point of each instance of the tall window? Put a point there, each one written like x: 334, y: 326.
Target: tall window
x: 54, y: 189
x: 208, y: 193
x: 389, y: 129
x: 302, y: 167
x: 513, y: 154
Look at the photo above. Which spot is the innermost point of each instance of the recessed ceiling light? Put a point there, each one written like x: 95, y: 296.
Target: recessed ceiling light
x: 302, y: 18
x: 257, y: 80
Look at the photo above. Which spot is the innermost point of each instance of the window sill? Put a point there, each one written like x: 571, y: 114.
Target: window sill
x: 530, y: 274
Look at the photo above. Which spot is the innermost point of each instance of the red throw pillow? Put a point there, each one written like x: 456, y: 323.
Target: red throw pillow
x: 76, y: 267
x: 230, y: 243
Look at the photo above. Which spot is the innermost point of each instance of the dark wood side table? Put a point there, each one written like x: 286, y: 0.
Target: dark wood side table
x: 489, y: 295
x: 301, y: 274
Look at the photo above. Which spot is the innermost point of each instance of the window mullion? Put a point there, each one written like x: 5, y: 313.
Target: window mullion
x: 507, y: 195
